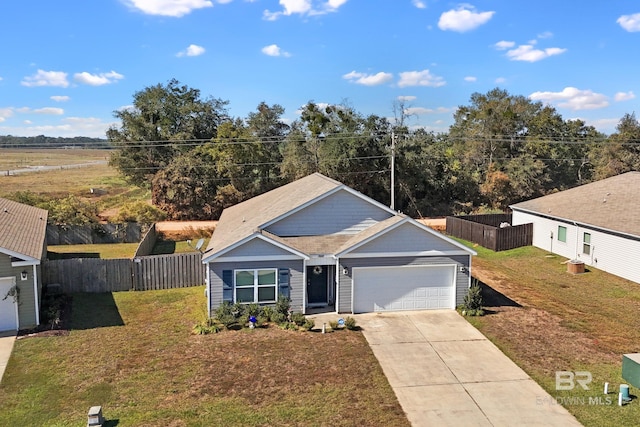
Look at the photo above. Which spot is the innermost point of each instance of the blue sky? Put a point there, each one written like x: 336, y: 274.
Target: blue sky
x: 67, y: 65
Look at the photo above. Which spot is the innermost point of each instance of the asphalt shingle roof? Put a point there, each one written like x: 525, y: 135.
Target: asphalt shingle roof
x: 23, y: 229
x: 240, y: 221
x: 612, y: 203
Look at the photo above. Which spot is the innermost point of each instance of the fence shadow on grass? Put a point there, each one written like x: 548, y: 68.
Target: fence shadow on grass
x: 71, y: 255
x: 94, y: 310
x: 495, y: 299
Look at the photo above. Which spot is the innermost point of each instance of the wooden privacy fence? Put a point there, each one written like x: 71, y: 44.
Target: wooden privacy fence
x: 485, y: 230
x: 124, y: 274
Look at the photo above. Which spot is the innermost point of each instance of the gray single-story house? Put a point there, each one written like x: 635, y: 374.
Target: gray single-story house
x: 327, y: 246
x: 596, y: 223
x: 23, y: 233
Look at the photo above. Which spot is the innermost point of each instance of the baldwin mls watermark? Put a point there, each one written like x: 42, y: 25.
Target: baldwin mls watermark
x: 571, y: 380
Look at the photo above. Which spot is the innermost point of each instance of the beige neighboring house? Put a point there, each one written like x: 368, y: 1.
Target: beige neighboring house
x: 23, y: 232
x: 596, y: 223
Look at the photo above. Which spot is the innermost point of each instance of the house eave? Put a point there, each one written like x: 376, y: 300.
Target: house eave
x: 579, y: 224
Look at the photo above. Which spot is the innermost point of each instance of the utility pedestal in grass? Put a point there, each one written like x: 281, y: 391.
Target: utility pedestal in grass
x: 631, y: 369
x: 95, y: 418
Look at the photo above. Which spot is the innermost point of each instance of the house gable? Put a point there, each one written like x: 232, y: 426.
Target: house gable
x: 340, y: 212
x: 405, y: 238
x: 257, y: 247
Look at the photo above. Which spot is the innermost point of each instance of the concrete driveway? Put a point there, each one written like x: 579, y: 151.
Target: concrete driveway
x: 446, y: 373
x: 6, y: 346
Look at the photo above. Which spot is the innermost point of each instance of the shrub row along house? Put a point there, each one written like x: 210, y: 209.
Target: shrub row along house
x: 23, y: 231
x: 325, y: 245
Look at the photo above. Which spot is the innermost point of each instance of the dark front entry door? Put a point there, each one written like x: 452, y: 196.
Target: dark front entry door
x: 317, y: 284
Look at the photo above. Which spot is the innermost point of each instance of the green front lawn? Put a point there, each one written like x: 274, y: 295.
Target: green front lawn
x: 134, y: 354
x: 548, y: 320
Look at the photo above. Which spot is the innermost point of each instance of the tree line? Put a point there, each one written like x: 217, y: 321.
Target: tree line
x: 501, y: 149
x: 41, y: 141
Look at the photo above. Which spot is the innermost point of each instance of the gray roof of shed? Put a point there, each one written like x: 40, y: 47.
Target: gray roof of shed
x: 611, y: 204
x: 23, y: 229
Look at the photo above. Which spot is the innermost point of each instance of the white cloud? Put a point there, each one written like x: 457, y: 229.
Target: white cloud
x: 470, y: 79
x: 5, y: 113
x: 526, y: 52
x: 175, y: 8
x: 418, y: 111
x: 49, y: 110
x: 420, y: 78
x: 304, y: 7
x: 503, y: 45
x: 368, y: 79
x: 59, y: 98
x: 275, y: 50
x: 630, y: 23
x: 545, y: 35
x: 463, y: 19
x: 624, y: 96
x: 46, y: 78
x: 500, y: 80
x: 573, y: 99
x: 419, y: 4
x: 192, y: 50
x: 406, y: 98
x: 97, y: 79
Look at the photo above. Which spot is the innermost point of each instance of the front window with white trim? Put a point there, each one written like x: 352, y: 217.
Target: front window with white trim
x: 258, y: 286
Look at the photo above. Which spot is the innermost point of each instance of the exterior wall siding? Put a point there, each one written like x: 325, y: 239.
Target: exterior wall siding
x: 296, y: 279
x: 26, y: 307
x: 256, y: 247
x: 339, y: 213
x: 613, y: 254
x: 406, y: 238
x: 345, y: 280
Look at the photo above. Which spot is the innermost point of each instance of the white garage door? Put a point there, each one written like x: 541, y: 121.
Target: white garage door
x: 8, y: 307
x: 403, y: 288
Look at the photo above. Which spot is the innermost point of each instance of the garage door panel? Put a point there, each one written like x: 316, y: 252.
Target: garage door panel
x: 403, y: 288
x: 8, y: 316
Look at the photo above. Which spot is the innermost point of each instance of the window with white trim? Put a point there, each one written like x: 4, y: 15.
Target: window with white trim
x: 586, y: 243
x: 258, y: 285
x: 562, y: 233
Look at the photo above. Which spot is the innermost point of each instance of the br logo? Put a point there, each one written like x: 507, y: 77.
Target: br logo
x: 566, y: 380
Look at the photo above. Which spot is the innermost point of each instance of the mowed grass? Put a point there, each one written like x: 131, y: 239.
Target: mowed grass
x: 134, y: 354
x: 548, y: 320
x: 104, y: 251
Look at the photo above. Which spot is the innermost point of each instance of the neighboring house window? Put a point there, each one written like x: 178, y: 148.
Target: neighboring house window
x: 256, y: 285
x: 586, y: 243
x: 562, y: 234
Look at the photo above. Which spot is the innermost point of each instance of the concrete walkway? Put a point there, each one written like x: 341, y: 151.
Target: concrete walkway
x: 6, y: 346
x: 446, y: 373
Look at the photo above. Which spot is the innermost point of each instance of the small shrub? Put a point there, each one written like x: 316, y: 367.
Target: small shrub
x: 140, y: 212
x: 298, y: 318
x: 283, y: 306
x: 289, y: 326
x: 350, y: 323
x: 206, y: 327
x: 334, y: 325
x: 278, y: 318
x: 472, y: 304
x: 308, y: 324
x: 225, y: 314
x: 266, y: 313
x: 252, y: 309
